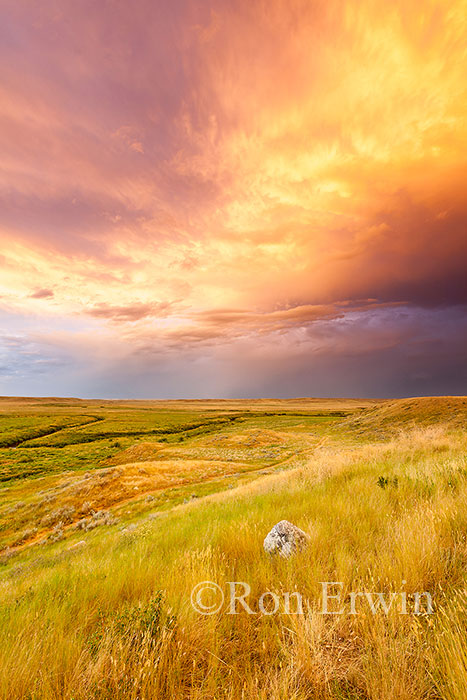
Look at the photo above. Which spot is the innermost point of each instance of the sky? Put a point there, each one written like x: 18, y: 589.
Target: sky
x: 233, y: 198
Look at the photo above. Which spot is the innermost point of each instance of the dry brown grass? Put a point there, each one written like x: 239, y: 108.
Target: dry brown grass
x: 145, y: 469
x: 81, y: 625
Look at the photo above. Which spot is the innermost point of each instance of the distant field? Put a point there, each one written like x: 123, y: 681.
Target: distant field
x: 111, y: 511
x: 48, y: 444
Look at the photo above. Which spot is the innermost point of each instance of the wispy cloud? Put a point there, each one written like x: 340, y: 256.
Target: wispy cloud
x: 42, y: 294
x: 199, y: 174
x: 132, y: 312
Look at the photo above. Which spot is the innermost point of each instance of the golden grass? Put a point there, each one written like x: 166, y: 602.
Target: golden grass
x: 145, y: 469
x: 413, y: 412
x: 113, y: 620
x: 18, y: 404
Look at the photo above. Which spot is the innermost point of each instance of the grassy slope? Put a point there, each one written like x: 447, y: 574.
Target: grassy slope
x: 89, y: 622
x: 406, y: 413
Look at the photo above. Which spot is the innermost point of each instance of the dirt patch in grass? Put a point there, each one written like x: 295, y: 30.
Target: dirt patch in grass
x: 141, y: 452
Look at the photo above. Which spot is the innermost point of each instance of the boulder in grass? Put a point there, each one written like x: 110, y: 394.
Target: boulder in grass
x: 285, y: 539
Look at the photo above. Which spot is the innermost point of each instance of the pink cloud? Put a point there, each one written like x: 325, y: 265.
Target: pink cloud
x: 205, y: 173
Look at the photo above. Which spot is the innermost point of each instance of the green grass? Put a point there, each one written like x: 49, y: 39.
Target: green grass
x: 16, y: 429
x: 113, y: 618
x: 33, y: 473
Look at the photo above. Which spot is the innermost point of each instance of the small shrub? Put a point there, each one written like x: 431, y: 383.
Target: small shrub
x: 137, y: 623
x: 383, y: 481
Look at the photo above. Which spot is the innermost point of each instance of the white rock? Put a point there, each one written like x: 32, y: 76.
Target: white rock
x: 285, y: 539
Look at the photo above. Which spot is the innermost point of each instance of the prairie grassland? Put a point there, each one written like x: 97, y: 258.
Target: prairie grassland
x: 122, y: 458
x: 386, y: 511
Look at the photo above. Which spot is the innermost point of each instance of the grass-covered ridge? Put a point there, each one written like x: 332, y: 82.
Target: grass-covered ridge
x: 407, y: 413
x: 112, y: 618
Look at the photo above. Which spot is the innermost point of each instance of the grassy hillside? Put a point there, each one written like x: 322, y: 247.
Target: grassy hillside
x: 104, y: 536
x: 406, y: 413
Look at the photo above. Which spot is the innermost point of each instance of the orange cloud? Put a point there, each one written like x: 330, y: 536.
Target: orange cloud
x: 198, y: 172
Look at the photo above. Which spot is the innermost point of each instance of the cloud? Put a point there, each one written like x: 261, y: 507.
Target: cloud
x: 132, y: 312
x: 380, y: 352
x: 173, y: 173
x: 42, y: 294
